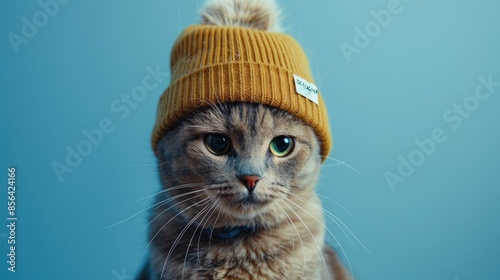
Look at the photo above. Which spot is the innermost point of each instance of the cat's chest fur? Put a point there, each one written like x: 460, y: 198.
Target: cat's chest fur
x: 290, y: 251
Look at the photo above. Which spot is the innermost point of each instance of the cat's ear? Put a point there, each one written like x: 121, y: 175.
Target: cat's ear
x: 258, y: 14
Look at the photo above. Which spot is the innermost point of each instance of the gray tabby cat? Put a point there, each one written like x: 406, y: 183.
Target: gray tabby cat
x: 238, y: 198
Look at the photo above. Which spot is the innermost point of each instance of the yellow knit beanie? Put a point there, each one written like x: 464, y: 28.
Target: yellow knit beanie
x: 236, y: 64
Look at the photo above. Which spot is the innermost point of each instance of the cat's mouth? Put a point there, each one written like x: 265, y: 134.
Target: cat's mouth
x: 250, y: 201
x: 247, y: 204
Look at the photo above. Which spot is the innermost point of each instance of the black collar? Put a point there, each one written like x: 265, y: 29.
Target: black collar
x: 226, y: 233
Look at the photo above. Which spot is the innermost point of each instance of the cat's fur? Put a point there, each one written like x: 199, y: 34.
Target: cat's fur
x: 204, y: 192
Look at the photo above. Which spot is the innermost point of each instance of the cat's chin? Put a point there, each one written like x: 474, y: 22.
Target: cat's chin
x: 242, y: 218
x: 252, y: 201
x: 247, y: 208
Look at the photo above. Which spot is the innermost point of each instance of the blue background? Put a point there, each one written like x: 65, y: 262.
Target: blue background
x: 441, y: 222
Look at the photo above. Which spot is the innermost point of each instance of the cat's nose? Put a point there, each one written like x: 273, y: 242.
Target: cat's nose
x: 250, y: 181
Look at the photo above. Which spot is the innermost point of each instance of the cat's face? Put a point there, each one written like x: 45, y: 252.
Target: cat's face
x: 243, y: 163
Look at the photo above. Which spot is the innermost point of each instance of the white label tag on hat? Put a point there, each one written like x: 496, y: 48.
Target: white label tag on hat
x: 306, y: 89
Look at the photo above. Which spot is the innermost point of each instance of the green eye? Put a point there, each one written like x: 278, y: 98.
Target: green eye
x: 281, y: 146
x: 217, y: 144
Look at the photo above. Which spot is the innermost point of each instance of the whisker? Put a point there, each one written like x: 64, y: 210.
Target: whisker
x: 212, y: 229
x: 333, y: 235
x: 327, y: 272
x: 209, y: 208
x: 148, y: 197
x: 326, y: 212
x: 201, y: 232
x: 172, y: 206
x: 176, y: 241
x: 300, y: 239
x: 159, y: 204
x: 334, y: 218
x: 289, y: 226
x: 344, y: 164
x: 180, y: 212
x: 334, y: 201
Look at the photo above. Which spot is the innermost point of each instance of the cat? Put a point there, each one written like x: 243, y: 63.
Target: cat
x: 238, y: 179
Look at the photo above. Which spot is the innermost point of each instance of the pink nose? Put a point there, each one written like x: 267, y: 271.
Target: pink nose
x: 250, y: 181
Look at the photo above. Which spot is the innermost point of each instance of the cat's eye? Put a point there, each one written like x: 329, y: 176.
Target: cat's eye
x: 282, y: 146
x: 217, y: 144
